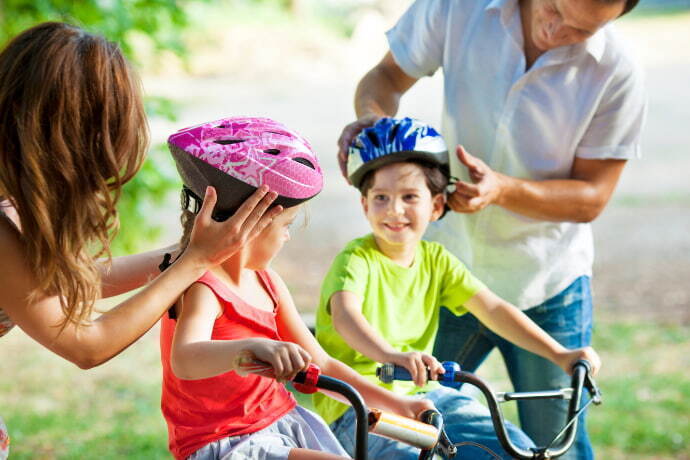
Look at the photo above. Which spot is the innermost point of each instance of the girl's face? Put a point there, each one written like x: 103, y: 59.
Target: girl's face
x: 270, y: 241
x: 399, y: 205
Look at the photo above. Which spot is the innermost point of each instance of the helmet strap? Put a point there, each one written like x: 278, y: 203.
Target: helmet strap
x: 190, y: 201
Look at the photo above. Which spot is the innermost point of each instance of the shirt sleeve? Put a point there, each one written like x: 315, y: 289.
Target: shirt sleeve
x: 459, y: 284
x: 417, y: 40
x: 347, y: 273
x: 614, y: 132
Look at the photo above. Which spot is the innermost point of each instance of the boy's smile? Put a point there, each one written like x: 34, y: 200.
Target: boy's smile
x: 399, y: 207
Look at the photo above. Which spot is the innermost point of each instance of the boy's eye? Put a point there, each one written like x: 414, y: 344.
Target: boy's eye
x: 380, y: 197
x: 411, y: 197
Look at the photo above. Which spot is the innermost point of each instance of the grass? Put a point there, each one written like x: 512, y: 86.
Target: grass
x: 56, y: 411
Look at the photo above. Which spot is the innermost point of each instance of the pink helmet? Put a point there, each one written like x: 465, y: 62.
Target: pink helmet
x: 237, y: 155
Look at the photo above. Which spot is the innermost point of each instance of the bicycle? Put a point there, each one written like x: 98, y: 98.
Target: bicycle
x: 428, y: 434
x: 454, y: 377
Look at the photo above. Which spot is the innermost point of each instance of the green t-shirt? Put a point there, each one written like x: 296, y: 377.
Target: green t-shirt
x: 401, y: 304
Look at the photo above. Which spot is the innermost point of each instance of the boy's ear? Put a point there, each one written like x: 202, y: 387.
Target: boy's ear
x: 438, y: 202
x: 365, y: 206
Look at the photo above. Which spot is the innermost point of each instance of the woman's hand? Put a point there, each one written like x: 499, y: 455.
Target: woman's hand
x: 417, y: 364
x: 286, y: 358
x: 567, y: 359
x: 213, y: 242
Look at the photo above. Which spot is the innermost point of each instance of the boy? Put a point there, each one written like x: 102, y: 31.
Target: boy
x: 381, y: 298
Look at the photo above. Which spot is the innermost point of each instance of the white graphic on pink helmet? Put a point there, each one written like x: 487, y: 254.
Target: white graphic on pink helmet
x: 256, y: 151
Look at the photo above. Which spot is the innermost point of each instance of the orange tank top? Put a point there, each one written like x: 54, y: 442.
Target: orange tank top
x: 202, y: 411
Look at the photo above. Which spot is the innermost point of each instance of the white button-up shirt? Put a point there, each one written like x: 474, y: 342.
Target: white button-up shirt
x: 585, y: 100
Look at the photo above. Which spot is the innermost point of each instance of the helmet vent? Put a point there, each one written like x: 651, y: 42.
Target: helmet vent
x: 305, y: 162
x: 373, y: 138
x: 228, y: 141
x: 393, y: 133
x: 272, y: 151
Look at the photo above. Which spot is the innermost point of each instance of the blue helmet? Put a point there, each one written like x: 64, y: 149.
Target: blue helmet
x: 391, y: 140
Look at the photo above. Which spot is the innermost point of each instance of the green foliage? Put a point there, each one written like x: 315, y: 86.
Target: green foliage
x: 130, y: 23
x: 120, y: 21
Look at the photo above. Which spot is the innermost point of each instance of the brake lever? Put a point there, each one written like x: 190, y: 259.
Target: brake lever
x: 594, y: 392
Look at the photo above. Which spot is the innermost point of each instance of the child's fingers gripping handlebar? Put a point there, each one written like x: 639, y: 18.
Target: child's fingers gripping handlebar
x: 310, y: 381
x: 389, y: 372
x: 413, y: 432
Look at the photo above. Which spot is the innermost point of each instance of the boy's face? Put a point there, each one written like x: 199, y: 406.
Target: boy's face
x: 267, y: 244
x: 399, y: 205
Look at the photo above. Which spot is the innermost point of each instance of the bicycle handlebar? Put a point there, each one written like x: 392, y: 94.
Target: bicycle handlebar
x: 454, y: 377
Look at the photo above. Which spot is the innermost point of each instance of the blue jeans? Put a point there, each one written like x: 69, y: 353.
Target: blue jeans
x: 567, y: 317
x: 465, y: 420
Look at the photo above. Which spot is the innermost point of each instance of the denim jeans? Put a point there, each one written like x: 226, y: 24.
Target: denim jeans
x: 464, y: 417
x: 567, y: 317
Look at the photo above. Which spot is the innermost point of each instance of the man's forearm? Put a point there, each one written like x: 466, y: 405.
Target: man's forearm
x: 560, y: 200
x: 380, y: 90
x: 376, y: 95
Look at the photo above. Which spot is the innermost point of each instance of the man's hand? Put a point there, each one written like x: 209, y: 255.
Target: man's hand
x: 485, y: 189
x: 347, y: 136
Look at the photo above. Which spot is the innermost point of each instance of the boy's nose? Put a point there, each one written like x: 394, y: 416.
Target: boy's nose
x: 396, y: 207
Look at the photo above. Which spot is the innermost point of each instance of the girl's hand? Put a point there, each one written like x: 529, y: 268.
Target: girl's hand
x: 286, y: 358
x: 568, y: 358
x: 416, y: 364
x: 213, y: 242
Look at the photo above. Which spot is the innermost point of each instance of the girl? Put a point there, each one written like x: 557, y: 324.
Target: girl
x: 72, y: 132
x: 242, y: 307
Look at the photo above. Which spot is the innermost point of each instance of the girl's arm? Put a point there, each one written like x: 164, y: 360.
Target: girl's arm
x: 350, y: 323
x: 292, y: 328
x: 96, y: 342
x: 195, y: 356
x: 510, y: 323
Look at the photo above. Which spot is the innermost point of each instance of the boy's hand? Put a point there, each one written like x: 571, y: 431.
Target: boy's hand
x: 286, y: 358
x: 412, y: 407
x: 568, y: 358
x: 417, y: 364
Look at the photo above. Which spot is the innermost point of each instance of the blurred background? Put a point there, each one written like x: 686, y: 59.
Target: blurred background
x: 299, y: 61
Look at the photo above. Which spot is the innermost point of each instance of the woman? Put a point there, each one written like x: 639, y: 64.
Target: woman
x: 72, y: 132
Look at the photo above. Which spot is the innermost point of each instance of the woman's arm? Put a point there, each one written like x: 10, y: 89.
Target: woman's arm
x: 130, y: 272
x: 94, y: 343
x: 510, y: 323
x: 292, y: 328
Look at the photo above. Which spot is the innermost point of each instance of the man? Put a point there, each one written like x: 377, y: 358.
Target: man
x: 548, y: 107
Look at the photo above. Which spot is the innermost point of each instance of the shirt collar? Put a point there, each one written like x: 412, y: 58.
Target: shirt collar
x: 505, y: 8
x: 596, y: 44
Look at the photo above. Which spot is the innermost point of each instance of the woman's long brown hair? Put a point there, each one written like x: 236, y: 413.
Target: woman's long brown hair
x: 72, y: 132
